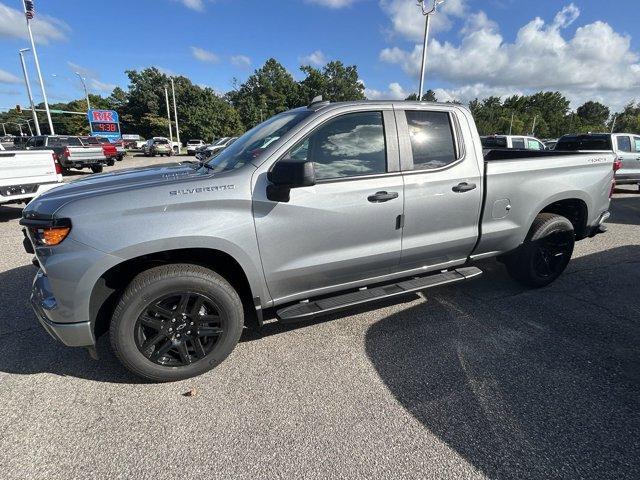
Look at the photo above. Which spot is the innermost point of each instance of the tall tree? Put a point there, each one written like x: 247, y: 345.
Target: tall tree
x: 593, y: 114
x: 335, y: 82
x: 270, y: 90
x: 430, y: 96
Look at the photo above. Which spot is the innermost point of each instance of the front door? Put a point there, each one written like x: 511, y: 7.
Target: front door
x: 344, y: 229
x: 443, y: 190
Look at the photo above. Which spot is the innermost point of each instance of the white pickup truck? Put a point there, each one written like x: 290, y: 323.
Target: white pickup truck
x: 25, y: 174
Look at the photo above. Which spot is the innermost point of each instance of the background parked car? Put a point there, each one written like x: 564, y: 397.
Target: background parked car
x: 522, y: 142
x: 108, y: 148
x: 70, y: 151
x: 157, y: 146
x: 625, y: 145
x: 215, y: 148
x: 193, y: 145
x: 550, y: 143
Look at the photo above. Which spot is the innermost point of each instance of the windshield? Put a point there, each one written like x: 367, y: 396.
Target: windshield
x: 251, y: 145
x: 494, y: 142
x: 221, y: 141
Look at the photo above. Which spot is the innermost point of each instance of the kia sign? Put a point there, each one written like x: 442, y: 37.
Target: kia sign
x: 104, y: 123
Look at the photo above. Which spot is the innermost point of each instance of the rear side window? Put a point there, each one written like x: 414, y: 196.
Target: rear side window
x: 624, y: 144
x: 494, y: 142
x: 585, y: 142
x: 432, y: 141
x: 348, y: 146
x: 517, y: 143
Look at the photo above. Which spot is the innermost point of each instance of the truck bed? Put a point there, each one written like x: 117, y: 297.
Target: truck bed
x: 518, y: 184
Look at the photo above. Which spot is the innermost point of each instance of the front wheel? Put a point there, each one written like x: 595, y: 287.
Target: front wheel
x: 175, y: 322
x: 545, y: 253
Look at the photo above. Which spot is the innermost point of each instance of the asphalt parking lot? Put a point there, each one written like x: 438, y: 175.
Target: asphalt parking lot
x: 481, y: 380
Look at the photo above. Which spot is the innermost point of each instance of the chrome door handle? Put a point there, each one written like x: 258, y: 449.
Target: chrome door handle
x: 464, y: 187
x: 381, y: 197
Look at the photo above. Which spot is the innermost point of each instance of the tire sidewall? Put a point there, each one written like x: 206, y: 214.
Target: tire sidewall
x: 527, y: 255
x: 123, y: 327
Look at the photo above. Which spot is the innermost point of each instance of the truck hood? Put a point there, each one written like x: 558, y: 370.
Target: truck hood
x: 107, y: 183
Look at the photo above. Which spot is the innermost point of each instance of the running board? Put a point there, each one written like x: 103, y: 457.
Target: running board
x: 313, y: 308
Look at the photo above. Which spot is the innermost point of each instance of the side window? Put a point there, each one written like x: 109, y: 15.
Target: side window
x: 432, y: 140
x: 39, y: 141
x: 533, y: 144
x: 31, y: 142
x: 636, y: 140
x: 347, y: 146
x: 74, y: 142
x: 624, y: 144
x: 517, y: 143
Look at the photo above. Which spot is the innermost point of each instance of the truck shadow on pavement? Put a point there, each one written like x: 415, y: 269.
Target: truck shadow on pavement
x: 526, y: 384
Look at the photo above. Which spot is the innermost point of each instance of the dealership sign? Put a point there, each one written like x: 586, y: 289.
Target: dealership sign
x: 104, y: 123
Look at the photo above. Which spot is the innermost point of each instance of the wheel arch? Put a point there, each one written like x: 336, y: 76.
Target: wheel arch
x: 109, y: 286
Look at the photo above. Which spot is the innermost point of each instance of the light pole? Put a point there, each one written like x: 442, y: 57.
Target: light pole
x: 4, y: 130
x: 20, y: 127
x: 427, y: 12
x: 86, y: 94
x: 29, y: 13
x: 29, y: 125
x: 28, y: 84
x: 533, y: 129
x: 175, y: 114
x: 166, y: 97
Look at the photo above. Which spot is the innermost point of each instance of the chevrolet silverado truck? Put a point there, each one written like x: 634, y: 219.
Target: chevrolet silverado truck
x: 315, y: 210
x: 70, y: 151
x: 25, y: 175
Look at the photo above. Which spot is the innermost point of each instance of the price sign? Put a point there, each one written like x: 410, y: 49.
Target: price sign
x: 104, y: 123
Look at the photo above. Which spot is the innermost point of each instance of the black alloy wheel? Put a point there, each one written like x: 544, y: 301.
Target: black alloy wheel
x: 179, y: 329
x: 552, y: 254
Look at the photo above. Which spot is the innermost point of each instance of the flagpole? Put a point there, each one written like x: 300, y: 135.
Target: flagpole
x: 29, y: 13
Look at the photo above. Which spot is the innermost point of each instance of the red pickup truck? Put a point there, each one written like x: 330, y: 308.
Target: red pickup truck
x: 108, y: 148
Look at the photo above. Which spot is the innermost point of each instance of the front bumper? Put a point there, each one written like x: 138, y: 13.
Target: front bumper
x: 44, y: 305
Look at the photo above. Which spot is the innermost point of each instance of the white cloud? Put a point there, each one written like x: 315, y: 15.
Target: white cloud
x: 204, y: 55
x: 317, y: 58
x: 241, y: 61
x: 395, y: 91
x: 197, y: 5
x: 101, y: 86
x: 45, y: 29
x: 85, y: 72
x: 596, y: 62
x: 407, y: 19
x: 6, y: 77
x: 333, y: 3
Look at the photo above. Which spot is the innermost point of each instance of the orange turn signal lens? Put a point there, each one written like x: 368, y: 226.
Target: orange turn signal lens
x: 53, y: 235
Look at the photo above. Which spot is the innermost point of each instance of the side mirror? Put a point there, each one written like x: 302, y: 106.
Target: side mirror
x: 287, y: 174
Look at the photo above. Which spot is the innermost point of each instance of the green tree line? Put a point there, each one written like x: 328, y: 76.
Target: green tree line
x: 206, y: 114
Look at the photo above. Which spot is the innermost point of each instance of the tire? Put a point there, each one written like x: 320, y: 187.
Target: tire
x: 111, y: 163
x: 164, y: 359
x: 545, y: 253
x: 96, y: 168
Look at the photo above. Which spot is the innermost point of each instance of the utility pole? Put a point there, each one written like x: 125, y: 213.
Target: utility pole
x: 86, y: 93
x: 533, y: 129
x: 511, y: 124
x: 613, y: 124
x: 28, y: 84
x: 166, y: 96
x: 427, y: 12
x: 175, y: 114
x: 4, y: 130
x: 29, y: 12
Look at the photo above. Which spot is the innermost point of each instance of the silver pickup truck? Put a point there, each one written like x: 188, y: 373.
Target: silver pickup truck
x: 315, y: 210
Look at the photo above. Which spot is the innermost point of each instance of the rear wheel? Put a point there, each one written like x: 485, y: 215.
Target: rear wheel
x: 175, y: 322
x: 545, y: 253
x: 96, y: 168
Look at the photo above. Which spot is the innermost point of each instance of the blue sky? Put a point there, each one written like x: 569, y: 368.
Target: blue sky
x: 478, y: 48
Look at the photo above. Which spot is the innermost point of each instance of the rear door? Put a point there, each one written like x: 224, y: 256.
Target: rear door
x: 629, y: 158
x: 346, y: 228
x: 443, y: 190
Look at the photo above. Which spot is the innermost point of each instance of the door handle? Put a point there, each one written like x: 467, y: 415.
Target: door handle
x: 464, y: 187
x: 381, y: 197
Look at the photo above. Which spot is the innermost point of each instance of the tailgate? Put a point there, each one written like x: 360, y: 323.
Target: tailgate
x: 86, y: 154
x: 27, y: 167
